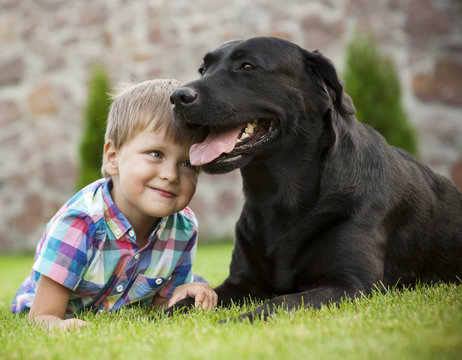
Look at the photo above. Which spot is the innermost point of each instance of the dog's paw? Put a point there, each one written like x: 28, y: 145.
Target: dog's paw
x: 226, y: 321
x: 246, y: 317
x: 181, y: 307
x: 232, y: 320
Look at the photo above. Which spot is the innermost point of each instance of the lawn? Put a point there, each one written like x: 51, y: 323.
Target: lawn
x: 425, y: 323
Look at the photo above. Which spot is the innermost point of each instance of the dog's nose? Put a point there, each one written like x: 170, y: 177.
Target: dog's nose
x: 182, y: 97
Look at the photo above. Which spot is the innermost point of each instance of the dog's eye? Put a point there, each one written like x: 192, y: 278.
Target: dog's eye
x: 201, y: 70
x: 246, y: 66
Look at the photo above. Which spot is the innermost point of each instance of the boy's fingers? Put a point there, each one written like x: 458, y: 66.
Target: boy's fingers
x: 171, y: 301
x: 180, y: 295
x: 210, y: 301
x: 175, y: 298
x: 80, y: 323
x: 71, y: 324
x: 206, y: 305
x: 204, y: 296
x: 200, y: 299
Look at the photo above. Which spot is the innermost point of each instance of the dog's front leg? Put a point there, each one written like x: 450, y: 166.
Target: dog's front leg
x: 235, y: 291
x: 313, y: 298
x: 183, y: 306
x: 228, y: 293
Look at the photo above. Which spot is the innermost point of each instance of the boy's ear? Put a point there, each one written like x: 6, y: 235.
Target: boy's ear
x: 110, y: 162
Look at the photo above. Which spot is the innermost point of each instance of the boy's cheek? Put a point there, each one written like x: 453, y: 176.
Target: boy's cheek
x: 193, y: 178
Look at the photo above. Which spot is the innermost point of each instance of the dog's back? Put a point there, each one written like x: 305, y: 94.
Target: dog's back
x: 417, y: 212
x: 427, y: 223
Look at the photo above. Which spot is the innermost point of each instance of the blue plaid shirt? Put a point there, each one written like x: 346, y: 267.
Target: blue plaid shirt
x: 90, y: 247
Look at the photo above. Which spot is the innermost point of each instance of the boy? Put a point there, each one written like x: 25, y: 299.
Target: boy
x: 128, y: 238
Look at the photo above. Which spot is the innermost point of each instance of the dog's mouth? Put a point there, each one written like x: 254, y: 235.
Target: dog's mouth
x: 223, y: 146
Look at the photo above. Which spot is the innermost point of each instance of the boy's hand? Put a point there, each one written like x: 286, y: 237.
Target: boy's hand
x: 203, y: 294
x: 49, y: 306
x: 51, y: 322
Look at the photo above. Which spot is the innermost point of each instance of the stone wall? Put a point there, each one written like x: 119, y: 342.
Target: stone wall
x: 47, y: 48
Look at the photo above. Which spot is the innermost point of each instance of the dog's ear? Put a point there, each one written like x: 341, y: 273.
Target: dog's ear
x: 325, y: 71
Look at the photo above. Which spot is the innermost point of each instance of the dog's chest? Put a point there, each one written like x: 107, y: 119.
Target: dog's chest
x: 274, y: 246
x: 273, y: 261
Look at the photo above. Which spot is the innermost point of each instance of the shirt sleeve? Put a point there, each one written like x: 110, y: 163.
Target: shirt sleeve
x: 65, y: 248
x: 182, y: 274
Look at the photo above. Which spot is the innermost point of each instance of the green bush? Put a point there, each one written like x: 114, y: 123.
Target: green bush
x: 372, y: 82
x: 95, y: 116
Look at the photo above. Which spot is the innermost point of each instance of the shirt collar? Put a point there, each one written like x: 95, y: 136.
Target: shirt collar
x: 117, y: 221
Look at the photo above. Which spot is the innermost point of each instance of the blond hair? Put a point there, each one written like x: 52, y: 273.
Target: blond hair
x: 145, y: 106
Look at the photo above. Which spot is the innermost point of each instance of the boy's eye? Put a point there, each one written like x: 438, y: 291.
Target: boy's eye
x: 187, y: 164
x: 156, y: 154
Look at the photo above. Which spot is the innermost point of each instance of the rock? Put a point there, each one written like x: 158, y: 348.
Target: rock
x: 9, y: 112
x: 424, y: 20
x: 456, y: 174
x: 42, y: 101
x: 31, y: 215
x: 11, y: 71
x: 443, y: 85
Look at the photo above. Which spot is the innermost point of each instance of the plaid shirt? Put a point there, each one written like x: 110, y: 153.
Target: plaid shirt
x: 90, y: 247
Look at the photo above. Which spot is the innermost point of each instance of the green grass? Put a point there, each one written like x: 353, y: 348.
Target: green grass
x: 425, y: 323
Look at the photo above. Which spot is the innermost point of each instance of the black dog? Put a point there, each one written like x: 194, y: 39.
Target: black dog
x: 331, y: 210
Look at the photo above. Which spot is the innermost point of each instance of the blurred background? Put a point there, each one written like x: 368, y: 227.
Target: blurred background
x: 49, y: 47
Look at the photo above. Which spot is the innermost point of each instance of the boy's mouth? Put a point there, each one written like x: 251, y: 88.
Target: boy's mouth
x: 164, y: 193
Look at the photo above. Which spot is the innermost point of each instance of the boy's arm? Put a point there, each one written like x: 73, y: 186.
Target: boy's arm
x: 159, y: 302
x: 203, y: 294
x: 49, y: 306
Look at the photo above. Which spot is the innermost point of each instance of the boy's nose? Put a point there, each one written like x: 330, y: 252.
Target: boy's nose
x: 169, y: 172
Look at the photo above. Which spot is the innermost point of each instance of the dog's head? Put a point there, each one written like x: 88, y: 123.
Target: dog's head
x: 251, y: 94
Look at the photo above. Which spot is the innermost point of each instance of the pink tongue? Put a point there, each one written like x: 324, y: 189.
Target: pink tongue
x: 213, y: 147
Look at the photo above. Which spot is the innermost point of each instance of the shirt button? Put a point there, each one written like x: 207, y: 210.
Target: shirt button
x: 158, y: 281
x: 119, y: 288
x: 117, y: 232
x: 137, y: 256
x: 131, y: 233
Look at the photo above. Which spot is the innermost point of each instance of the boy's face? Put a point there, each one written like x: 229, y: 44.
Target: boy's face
x: 152, y: 176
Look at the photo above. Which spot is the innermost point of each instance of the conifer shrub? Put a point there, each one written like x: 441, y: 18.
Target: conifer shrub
x: 95, y: 117
x: 372, y: 82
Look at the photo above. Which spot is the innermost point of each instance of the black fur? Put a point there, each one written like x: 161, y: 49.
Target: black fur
x: 330, y: 208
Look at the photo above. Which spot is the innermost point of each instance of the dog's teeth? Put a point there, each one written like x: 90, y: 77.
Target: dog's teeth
x: 249, y: 129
